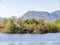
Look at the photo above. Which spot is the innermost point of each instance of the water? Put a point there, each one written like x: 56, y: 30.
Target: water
x: 30, y: 39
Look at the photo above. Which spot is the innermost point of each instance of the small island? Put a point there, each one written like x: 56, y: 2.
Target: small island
x: 15, y: 25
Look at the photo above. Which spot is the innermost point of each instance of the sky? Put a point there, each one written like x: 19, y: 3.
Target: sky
x: 17, y: 8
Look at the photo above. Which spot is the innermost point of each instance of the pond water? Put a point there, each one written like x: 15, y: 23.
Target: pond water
x: 30, y: 39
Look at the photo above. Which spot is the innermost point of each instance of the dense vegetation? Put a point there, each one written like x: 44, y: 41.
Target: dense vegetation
x: 33, y: 26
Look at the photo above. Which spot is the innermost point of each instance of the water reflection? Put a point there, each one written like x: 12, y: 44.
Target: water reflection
x: 30, y: 39
x: 41, y: 38
x: 29, y: 43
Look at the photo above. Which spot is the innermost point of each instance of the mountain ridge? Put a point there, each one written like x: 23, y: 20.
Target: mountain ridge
x: 42, y: 14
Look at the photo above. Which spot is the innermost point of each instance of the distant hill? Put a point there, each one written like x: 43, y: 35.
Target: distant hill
x: 56, y: 14
x: 42, y: 14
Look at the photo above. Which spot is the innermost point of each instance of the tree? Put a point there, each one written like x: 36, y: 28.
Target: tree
x: 10, y: 26
x: 58, y: 23
x: 51, y: 27
x: 5, y: 21
x: 41, y: 26
x: 13, y: 27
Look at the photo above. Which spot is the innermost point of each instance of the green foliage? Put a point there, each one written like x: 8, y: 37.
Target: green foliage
x: 57, y: 21
x: 5, y: 21
x: 58, y: 24
x: 10, y: 25
x: 51, y: 27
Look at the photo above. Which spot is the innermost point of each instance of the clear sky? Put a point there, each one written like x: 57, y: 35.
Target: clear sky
x: 10, y: 8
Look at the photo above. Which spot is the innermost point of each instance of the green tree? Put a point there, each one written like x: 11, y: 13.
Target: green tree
x: 13, y: 26
x: 58, y: 23
x: 5, y: 21
x: 51, y: 27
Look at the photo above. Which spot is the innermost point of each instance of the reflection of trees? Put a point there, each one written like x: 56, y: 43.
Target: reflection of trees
x: 37, y: 43
x: 11, y: 44
x: 21, y: 44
